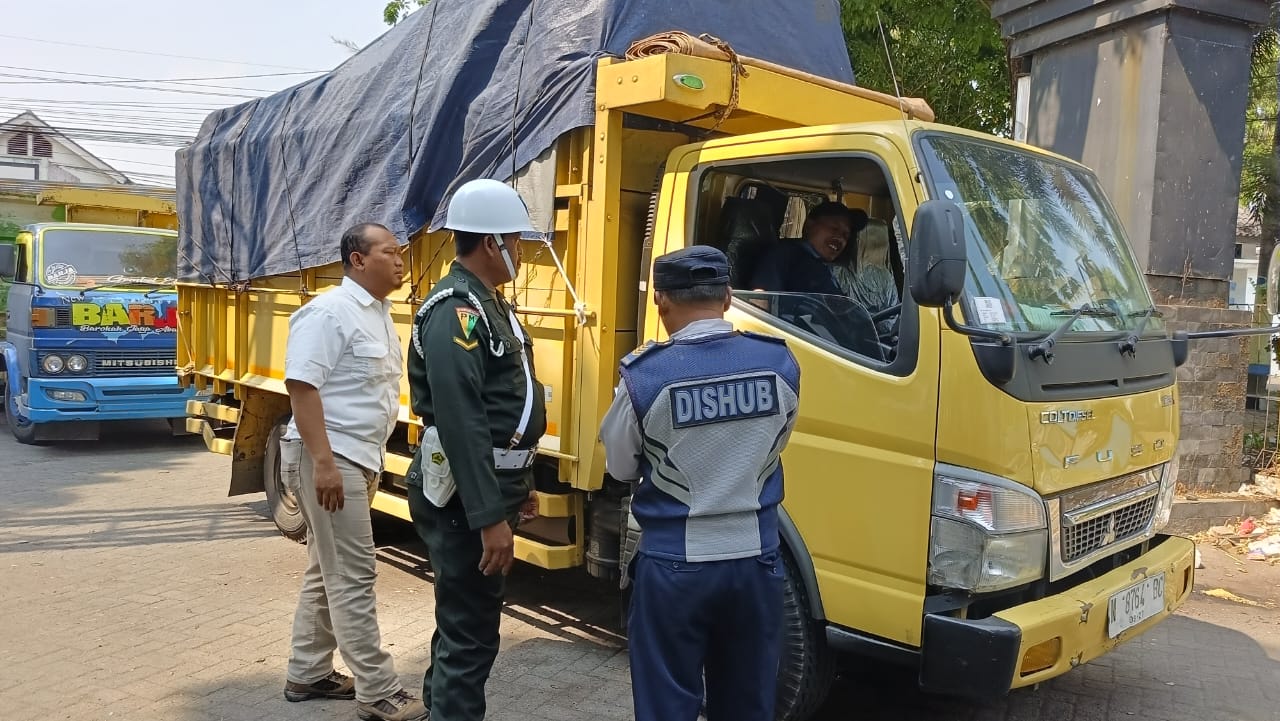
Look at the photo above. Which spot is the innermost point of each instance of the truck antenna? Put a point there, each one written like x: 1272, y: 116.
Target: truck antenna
x: 897, y: 88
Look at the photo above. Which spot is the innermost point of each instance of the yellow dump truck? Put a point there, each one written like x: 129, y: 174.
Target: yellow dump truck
x: 981, y: 469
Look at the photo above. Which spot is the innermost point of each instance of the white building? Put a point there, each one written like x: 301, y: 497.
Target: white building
x: 31, y: 149
x: 1244, y: 275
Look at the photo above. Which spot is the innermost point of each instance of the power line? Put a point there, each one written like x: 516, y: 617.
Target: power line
x: 138, y: 162
x: 193, y: 104
x: 163, y: 139
x: 162, y: 55
x: 158, y: 119
x: 46, y: 81
x: 166, y: 80
x: 121, y: 79
x: 122, y: 113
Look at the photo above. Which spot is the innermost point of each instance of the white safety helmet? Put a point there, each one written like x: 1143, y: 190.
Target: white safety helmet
x: 489, y: 207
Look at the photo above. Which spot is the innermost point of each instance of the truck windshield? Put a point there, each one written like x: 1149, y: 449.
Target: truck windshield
x: 1043, y: 242
x: 83, y: 258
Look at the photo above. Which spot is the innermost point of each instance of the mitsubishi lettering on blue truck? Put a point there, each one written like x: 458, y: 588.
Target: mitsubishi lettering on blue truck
x: 92, y: 330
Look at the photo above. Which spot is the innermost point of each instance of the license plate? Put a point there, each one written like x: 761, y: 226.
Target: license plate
x: 1135, y: 604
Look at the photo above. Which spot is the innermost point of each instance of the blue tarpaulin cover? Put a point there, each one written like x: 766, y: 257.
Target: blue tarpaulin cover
x: 268, y: 186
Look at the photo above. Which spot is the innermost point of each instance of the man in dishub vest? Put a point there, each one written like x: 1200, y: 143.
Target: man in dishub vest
x: 702, y: 420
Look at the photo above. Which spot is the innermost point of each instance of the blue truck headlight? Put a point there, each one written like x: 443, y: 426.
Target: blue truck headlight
x: 77, y: 363
x: 53, y: 364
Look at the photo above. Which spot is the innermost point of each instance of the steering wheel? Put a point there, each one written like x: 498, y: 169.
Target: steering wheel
x: 889, y: 312
x: 886, y: 337
x: 852, y: 328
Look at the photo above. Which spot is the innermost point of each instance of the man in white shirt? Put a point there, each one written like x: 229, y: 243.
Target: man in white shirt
x: 342, y: 371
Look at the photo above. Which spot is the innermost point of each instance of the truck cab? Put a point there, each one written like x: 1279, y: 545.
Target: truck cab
x: 92, y: 329
x: 984, y: 459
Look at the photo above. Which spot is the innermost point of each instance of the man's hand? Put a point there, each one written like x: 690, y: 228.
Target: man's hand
x: 529, y: 510
x: 328, y: 481
x: 499, y: 549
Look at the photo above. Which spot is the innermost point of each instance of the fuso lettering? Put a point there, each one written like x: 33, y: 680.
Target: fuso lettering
x: 718, y: 401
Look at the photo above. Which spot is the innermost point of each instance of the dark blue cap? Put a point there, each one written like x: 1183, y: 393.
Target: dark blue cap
x: 687, y: 267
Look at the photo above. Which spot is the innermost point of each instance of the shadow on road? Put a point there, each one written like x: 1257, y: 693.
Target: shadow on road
x: 46, y: 477
x: 1175, y: 671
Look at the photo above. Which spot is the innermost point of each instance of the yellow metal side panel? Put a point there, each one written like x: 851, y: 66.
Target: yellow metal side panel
x: 392, y: 505
x: 597, y: 348
x: 863, y: 443
x: 104, y: 216
x: 767, y: 100
x: 105, y: 199
x: 546, y: 556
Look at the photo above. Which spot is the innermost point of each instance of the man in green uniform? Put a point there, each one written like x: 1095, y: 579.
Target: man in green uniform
x: 471, y: 381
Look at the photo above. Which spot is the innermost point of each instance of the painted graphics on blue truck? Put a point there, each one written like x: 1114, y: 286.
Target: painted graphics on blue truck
x: 92, y: 333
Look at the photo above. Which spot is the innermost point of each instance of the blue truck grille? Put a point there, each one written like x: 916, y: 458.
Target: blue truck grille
x: 142, y: 362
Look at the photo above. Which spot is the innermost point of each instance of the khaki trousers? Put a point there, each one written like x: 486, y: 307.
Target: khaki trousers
x: 336, y: 607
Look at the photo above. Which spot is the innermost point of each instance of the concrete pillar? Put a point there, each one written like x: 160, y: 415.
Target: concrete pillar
x: 1151, y: 95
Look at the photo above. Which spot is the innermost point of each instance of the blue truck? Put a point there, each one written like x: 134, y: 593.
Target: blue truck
x: 92, y: 330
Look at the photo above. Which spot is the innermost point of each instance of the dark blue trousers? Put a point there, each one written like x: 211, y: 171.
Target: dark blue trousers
x: 721, y: 617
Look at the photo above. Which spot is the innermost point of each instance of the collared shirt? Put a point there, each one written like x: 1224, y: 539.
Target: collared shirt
x: 344, y: 343
x: 620, y: 429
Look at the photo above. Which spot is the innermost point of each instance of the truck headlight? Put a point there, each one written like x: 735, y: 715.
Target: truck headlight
x: 77, y: 363
x: 52, y: 364
x: 1168, y: 484
x: 986, y: 535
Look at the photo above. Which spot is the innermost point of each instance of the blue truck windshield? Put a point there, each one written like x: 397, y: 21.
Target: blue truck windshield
x: 84, y: 258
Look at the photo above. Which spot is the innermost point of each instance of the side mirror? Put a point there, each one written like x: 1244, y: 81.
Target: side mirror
x: 1273, y: 280
x: 8, y: 261
x: 937, y: 259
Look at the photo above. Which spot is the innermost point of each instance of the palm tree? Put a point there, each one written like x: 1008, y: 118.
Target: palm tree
x: 1260, y: 179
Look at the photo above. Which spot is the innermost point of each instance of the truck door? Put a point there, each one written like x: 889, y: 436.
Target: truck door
x: 859, y: 467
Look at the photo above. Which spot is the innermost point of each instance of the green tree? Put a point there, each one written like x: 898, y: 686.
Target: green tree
x: 1260, y: 176
x: 950, y: 54
x: 152, y: 258
x: 396, y: 10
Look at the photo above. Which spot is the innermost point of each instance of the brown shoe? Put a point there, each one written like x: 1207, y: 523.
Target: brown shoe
x: 335, y: 685
x: 399, y: 706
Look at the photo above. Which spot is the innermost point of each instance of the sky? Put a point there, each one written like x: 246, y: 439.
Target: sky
x: 46, y: 68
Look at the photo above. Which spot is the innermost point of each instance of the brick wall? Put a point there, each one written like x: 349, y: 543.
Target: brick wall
x: 1211, y: 386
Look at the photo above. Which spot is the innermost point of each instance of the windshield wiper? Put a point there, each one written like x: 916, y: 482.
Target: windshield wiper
x: 1044, y: 349
x: 1129, y: 346
x: 117, y: 284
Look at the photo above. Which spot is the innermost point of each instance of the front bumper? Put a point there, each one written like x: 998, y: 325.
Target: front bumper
x: 105, y: 399
x: 985, y: 658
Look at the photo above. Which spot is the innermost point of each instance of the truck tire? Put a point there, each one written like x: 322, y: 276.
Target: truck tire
x: 807, y: 667
x: 281, y: 502
x: 24, y: 431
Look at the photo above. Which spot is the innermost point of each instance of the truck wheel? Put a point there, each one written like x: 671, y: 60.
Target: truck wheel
x: 23, y: 430
x: 807, y: 667
x: 281, y: 502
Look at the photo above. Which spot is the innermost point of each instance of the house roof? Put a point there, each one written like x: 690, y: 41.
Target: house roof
x: 1247, y: 225
x: 28, y: 118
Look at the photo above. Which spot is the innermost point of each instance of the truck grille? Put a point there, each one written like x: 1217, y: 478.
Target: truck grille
x: 1083, y: 538
x: 133, y: 363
